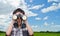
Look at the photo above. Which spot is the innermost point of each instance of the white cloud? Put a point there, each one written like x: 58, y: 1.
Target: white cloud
x: 51, y: 8
x: 55, y: 26
x: 36, y: 28
x: 37, y: 7
x: 53, y: 0
x: 29, y: 14
x: 14, y: 3
x: 3, y: 16
x: 4, y: 19
x: 46, y: 24
x: 37, y: 18
x: 4, y: 1
x: 55, y: 4
x: 52, y: 23
x: 45, y: 18
x: 0, y: 0
x: 31, y: 0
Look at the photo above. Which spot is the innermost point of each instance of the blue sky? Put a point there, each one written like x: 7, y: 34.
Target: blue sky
x: 42, y: 15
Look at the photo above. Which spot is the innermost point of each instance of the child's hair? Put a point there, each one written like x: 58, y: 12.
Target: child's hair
x: 19, y: 10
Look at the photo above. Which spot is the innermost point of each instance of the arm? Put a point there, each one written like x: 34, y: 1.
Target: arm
x: 8, y: 32
x: 29, y: 29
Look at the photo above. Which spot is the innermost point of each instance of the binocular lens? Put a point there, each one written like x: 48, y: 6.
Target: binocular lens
x: 24, y: 17
x: 14, y: 17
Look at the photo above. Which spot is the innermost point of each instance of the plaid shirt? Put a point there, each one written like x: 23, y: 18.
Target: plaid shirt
x: 20, y: 31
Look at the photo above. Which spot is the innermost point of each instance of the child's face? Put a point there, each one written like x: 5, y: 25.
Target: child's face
x: 19, y: 20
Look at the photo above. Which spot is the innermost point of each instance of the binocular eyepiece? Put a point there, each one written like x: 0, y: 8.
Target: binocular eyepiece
x: 23, y: 17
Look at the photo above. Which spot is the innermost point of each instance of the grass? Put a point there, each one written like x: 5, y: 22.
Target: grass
x: 39, y: 34
x: 2, y: 33
x: 46, y: 34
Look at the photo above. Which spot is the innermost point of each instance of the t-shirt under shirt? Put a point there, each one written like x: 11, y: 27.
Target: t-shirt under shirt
x: 20, y: 31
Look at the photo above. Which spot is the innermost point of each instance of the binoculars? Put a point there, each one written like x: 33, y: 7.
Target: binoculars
x: 23, y: 17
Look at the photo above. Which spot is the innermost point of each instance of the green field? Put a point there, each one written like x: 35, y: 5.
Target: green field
x: 46, y: 34
x: 39, y: 34
x: 2, y: 34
